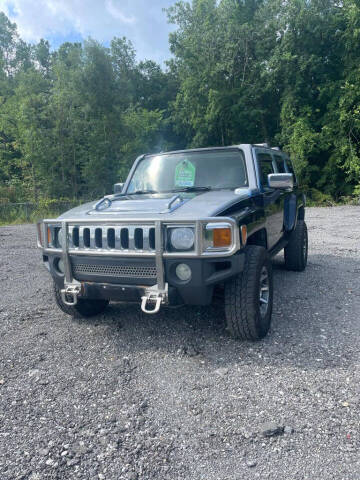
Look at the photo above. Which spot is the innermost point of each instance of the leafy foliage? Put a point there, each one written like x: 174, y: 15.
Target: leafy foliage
x: 287, y: 72
x: 284, y: 72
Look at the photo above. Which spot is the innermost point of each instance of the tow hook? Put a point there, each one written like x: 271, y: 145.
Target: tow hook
x: 155, y: 297
x: 69, y: 295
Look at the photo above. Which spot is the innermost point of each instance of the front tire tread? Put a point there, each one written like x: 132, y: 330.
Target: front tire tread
x: 242, y: 300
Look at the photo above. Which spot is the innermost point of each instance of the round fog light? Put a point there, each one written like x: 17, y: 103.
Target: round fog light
x: 60, y: 265
x: 183, y: 272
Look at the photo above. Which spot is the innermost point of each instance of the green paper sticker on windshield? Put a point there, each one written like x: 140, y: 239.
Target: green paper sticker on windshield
x: 185, y: 174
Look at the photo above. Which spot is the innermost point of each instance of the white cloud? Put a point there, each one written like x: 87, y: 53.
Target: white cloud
x: 141, y: 21
x: 101, y: 19
x: 117, y: 13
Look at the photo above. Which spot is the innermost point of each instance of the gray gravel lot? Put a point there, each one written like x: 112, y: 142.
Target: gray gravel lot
x: 172, y: 396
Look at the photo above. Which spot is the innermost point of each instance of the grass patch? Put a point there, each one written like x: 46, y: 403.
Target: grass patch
x: 21, y: 213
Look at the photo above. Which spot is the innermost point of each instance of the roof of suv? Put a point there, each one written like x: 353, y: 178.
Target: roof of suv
x: 228, y: 147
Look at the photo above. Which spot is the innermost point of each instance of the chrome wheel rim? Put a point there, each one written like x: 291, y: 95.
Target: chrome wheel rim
x: 264, y: 291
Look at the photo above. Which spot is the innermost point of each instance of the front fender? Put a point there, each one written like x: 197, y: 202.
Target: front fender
x: 291, y: 208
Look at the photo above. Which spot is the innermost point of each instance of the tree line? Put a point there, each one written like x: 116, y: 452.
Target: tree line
x: 286, y: 72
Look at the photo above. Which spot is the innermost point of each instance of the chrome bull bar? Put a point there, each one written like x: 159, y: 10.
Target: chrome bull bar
x: 156, y: 295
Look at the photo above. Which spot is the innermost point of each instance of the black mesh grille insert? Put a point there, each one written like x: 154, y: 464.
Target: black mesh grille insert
x: 126, y: 271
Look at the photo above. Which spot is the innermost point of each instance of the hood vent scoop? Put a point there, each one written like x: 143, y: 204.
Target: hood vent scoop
x: 103, y: 204
x: 142, y: 204
x: 175, y: 202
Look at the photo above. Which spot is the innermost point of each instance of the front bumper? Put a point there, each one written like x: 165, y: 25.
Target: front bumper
x: 105, y: 268
x: 206, y: 273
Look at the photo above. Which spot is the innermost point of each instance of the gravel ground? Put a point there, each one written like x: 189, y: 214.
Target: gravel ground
x: 172, y: 396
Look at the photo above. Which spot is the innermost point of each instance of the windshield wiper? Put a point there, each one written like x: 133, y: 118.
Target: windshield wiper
x: 191, y: 189
x: 142, y: 192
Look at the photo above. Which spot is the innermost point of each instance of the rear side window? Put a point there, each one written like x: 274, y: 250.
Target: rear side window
x: 265, y: 168
x: 280, y: 164
x: 290, y: 168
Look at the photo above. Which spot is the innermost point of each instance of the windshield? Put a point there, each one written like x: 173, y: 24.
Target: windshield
x: 189, y: 171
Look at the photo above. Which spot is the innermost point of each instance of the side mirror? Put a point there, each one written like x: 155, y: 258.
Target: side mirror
x: 281, y: 181
x: 118, y: 187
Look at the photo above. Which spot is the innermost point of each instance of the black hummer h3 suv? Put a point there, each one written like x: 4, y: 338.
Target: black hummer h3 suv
x: 183, y: 224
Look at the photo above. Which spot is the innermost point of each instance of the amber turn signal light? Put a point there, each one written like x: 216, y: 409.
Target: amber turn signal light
x: 222, y: 237
x: 49, y: 236
x: 243, y: 230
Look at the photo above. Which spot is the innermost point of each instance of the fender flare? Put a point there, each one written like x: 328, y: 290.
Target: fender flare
x: 291, y: 208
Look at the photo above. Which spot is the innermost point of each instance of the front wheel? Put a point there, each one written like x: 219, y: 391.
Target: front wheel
x: 84, y: 308
x: 249, y: 297
x: 296, y: 251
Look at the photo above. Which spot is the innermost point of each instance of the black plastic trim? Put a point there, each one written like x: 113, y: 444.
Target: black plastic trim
x: 206, y: 273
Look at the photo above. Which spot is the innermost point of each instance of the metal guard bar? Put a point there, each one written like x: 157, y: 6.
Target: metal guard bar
x: 197, y: 225
x: 159, y: 252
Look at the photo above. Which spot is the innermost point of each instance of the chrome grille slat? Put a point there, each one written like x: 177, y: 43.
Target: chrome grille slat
x: 131, y: 230
x: 92, y: 237
x: 117, y: 238
x: 81, y: 237
x: 126, y: 238
x: 104, y: 237
x: 71, y: 232
x: 146, y: 235
x: 126, y: 271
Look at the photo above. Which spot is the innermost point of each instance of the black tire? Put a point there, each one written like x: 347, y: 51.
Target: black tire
x: 296, y: 251
x: 85, y: 308
x: 244, y: 317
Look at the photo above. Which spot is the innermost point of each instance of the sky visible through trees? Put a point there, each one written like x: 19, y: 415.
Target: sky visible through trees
x: 286, y: 72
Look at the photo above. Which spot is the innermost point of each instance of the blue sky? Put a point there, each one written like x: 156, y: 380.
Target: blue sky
x: 141, y: 21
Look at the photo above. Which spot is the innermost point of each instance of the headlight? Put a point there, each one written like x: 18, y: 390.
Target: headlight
x: 58, y: 237
x: 182, y: 238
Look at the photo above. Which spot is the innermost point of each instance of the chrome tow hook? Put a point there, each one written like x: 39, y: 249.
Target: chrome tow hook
x: 155, y: 297
x: 69, y: 295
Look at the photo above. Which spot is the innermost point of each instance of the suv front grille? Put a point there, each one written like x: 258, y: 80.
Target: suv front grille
x: 129, y: 238
x: 125, y: 271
